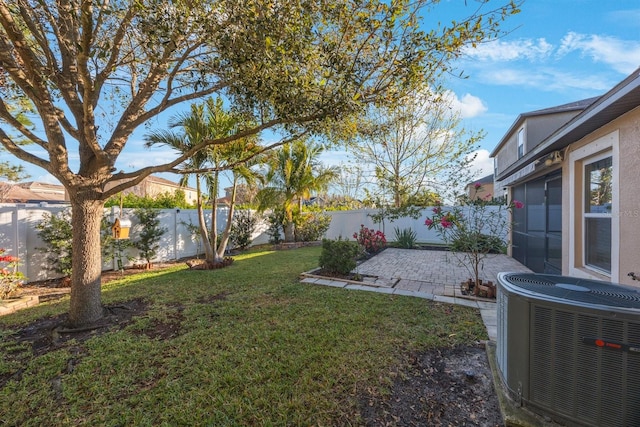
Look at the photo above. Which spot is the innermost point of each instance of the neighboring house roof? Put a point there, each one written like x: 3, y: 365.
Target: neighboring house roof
x: 571, y: 106
x: 484, y: 180
x: 163, y: 181
x: 621, y: 99
x: 19, y: 194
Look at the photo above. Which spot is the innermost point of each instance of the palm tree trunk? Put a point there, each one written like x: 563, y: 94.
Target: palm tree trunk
x: 204, y: 235
x: 224, y: 239
x: 289, y: 226
x: 213, y: 195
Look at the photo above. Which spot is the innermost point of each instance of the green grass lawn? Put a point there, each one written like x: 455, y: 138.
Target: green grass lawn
x: 250, y: 345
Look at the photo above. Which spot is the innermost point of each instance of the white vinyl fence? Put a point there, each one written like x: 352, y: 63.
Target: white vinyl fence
x: 18, y: 234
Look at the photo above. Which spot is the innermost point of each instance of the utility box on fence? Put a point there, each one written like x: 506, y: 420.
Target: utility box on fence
x: 121, y: 229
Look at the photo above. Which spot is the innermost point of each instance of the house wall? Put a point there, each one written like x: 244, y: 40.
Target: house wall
x: 536, y: 130
x: 621, y: 138
x: 541, y: 127
x: 486, y: 191
x: 508, y: 154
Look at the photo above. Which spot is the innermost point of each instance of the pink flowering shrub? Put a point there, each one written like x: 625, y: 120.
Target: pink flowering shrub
x: 372, y: 241
x: 10, y: 278
x: 474, y: 229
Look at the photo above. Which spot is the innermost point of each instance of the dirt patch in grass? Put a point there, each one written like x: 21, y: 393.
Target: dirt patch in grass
x: 444, y: 387
x: 49, y: 334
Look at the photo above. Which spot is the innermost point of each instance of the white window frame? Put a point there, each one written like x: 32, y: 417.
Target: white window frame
x: 605, y: 146
x: 585, y: 215
x: 520, y: 143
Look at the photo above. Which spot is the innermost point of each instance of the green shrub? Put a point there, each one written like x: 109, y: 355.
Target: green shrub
x: 405, y: 238
x: 482, y: 243
x: 242, y: 228
x: 55, y: 232
x: 311, y: 226
x: 148, y: 241
x: 276, y: 226
x: 339, y: 256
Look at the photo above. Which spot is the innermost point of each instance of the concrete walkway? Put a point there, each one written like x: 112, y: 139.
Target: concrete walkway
x: 434, y: 275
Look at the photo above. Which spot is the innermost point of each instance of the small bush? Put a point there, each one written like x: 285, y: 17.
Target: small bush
x: 338, y: 256
x: 242, y: 228
x: 150, y: 233
x: 405, y: 238
x: 275, y: 230
x: 55, y: 232
x: 372, y: 241
x: 10, y: 278
x: 311, y: 226
x: 483, y: 243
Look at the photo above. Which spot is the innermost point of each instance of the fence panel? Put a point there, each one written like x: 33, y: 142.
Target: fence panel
x: 19, y: 236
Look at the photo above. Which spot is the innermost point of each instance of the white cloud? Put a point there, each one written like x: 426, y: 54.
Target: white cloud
x: 468, y: 106
x: 545, y: 78
x: 505, y: 51
x: 621, y: 55
x: 482, y: 164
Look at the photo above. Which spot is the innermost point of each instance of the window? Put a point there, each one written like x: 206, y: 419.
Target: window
x: 520, y: 143
x: 598, y: 198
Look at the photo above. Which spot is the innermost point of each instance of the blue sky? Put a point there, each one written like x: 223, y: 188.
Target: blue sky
x: 555, y: 52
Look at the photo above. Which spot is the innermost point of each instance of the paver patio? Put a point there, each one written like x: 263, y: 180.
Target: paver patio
x: 432, y: 272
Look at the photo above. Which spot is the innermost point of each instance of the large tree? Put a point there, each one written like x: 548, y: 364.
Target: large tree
x: 95, y: 71
x: 415, y: 147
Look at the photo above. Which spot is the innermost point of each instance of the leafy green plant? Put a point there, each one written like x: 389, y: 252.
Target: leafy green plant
x: 10, y: 278
x: 405, y: 238
x: 276, y: 226
x: 242, y: 228
x: 166, y: 200
x: 372, y: 241
x: 311, y: 226
x: 55, y: 232
x: 338, y: 256
x: 149, y: 234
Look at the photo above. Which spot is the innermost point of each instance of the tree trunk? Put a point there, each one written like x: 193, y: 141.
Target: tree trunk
x: 86, y: 305
x: 224, y: 239
x: 213, y: 195
x: 289, y: 231
x: 204, y: 235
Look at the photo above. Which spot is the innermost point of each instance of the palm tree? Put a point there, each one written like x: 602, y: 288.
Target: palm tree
x: 194, y: 133
x: 205, y: 122
x: 294, y: 173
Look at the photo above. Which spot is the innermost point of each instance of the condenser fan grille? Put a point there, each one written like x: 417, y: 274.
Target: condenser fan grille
x: 575, y: 289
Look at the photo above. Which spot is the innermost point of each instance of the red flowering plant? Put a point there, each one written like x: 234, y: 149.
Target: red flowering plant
x: 371, y: 241
x: 474, y: 229
x: 10, y: 278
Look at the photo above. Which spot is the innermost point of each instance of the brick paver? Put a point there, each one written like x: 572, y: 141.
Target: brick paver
x: 434, y: 272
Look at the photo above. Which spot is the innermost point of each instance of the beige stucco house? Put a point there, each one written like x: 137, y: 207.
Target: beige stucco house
x: 481, y: 188
x: 577, y: 169
x: 153, y: 186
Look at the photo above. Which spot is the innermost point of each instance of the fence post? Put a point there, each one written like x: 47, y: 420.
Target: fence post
x: 175, y: 233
